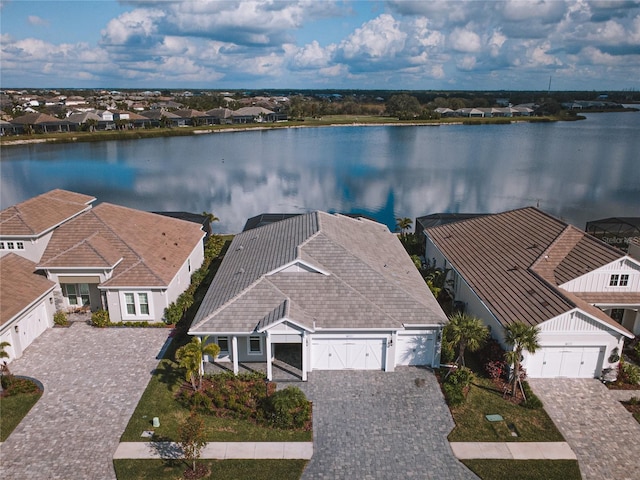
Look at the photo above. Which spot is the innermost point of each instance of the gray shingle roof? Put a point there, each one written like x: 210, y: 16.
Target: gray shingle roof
x: 370, y: 281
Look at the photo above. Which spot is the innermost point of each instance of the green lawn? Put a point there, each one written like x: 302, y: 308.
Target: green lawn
x: 483, y: 399
x: 220, y: 469
x: 525, y: 469
x: 158, y: 401
x: 13, y: 409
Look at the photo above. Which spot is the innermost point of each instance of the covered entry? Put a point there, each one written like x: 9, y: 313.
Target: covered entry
x: 348, y: 354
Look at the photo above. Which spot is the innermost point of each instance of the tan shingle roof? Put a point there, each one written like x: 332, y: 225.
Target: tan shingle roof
x: 371, y: 281
x: 39, y: 214
x: 515, y: 262
x: 151, y: 247
x: 20, y: 285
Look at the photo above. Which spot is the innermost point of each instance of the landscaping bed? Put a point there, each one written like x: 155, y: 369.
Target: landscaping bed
x: 18, y: 396
x: 525, y: 469
x: 633, y: 405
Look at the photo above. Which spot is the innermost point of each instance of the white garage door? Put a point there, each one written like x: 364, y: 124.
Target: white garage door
x: 346, y: 354
x: 415, y: 349
x: 570, y: 362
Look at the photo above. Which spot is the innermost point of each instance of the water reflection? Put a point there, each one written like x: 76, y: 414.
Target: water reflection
x: 579, y: 171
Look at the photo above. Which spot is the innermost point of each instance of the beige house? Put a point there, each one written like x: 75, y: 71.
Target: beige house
x: 129, y: 262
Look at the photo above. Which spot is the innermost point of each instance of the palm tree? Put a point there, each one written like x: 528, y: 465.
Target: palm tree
x: 466, y: 331
x: 403, y: 224
x: 190, y: 358
x: 4, y: 370
x: 521, y: 337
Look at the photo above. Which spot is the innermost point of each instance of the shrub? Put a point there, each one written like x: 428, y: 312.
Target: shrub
x: 288, y: 408
x: 532, y: 402
x: 629, y: 374
x: 172, y: 314
x: 495, y: 369
x: 60, y: 319
x: 100, y: 319
x: 462, y: 377
x: 453, y: 394
x: 448, y: 354
x: 636, y: 350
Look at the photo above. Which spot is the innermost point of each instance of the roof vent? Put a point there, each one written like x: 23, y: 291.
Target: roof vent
x: 240, y: 271
x: 515, y: 267
x: 241, y: 247
x: 532, y: 246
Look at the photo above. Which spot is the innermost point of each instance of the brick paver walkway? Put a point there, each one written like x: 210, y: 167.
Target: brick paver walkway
x: 380, y: 425
x: 93, y: 379
x: 602, y: 433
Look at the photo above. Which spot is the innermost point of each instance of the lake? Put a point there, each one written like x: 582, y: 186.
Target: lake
x: 578, y: 171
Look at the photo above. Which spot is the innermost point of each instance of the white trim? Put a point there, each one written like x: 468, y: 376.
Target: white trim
x: 293, y: 262
x: 138, y: 315
x: 596, y: 319
x: 281, y: 321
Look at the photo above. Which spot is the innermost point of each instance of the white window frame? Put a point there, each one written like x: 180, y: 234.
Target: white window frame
x: 2, y: 247
x: 20, y: 245
x: 137, y: 304
x: 10, y: 245
x: 619, y: 280
x: 249, y: 351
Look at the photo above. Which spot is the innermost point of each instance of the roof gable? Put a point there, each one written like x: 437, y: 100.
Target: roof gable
x: 21, y: 286
x: 40, y: 214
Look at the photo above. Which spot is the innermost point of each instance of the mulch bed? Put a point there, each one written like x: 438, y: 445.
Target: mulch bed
x: 201, y: 471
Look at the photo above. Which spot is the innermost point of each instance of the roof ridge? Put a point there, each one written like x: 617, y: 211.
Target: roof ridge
x: 18, y: 214
x: 132, y: 266
x: 72, y: 247
x: 570, y: 233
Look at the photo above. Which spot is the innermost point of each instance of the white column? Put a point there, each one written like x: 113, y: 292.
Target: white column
x: 305, y: 351
x: 234, y: 353
x: 267, y: 342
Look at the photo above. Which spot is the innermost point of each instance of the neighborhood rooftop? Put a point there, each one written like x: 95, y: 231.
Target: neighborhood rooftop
x: 516, y: 261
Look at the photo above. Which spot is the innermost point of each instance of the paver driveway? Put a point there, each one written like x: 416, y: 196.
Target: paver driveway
x: 93, y: 379
x: 377, y: 425
x: 601, y: 432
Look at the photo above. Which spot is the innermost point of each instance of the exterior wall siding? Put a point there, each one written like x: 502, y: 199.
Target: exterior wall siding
x: 598, y: 280
x: 33, y: 247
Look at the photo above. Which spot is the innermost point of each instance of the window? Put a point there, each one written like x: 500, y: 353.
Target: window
x: 20, y: 245
x: 1, y: 245
x: 223, y: 343
x: 143, y: 300
x: 255, y: 345
x: 10, y: 246
x: 130, y: 302
x: 77, y: 293
x: 135, y: 304
x: 189, y: 264
x: 617, y: 280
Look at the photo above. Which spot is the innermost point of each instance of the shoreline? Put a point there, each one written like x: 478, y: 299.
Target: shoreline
x: 137, y: 134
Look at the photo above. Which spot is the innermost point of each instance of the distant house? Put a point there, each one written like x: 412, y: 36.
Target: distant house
x: 26, y: 303
x: 87, y: 118
x: 159, y: 118
x: 40, y: 123
x: 129, y: 262
x: 193, y: 117
x: 253, y: 115
x: 527, y: 266
x: 221, y: 115
x: 337, y: 293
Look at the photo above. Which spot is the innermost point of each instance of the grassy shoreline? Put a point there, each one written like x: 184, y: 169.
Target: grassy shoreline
x: 327, y: 121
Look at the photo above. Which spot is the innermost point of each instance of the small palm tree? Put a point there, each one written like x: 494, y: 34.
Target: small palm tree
x: 466, y: 331
x: 403, y: 224
x: 190, y: 358
x: 521, y: 337
x: 4, y: 369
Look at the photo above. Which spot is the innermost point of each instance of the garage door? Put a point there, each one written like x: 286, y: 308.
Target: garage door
x: 348, y: 354
x: 570, y: 362
x: 414, y: 349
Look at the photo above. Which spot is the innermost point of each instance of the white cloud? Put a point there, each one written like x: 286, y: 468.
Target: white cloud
x: 37, y: 21
x: 378, y: 38
x: 465, y: 40
x: 468, y: 62
x: 139, y: 23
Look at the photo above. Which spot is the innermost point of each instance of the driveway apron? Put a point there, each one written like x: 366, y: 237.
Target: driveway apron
x: 380, y: 425
x: 93, y: 379
x: 603, y: 434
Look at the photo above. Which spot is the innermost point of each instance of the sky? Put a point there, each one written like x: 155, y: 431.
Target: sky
x: 321, y: 44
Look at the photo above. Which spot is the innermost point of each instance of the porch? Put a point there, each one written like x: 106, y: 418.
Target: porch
x: 282, y: 371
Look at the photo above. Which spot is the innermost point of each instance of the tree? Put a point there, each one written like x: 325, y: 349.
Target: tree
x: 403, y: 106
x: 521, y: 337
x: 403, y: 224
x: 190, y: 358
x: 191, y: 437
x: 466, y: 331
x: 4, y: 369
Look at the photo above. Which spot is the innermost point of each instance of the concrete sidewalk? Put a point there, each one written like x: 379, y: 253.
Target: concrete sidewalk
x: 513, y: 450
x: 218, y: 450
